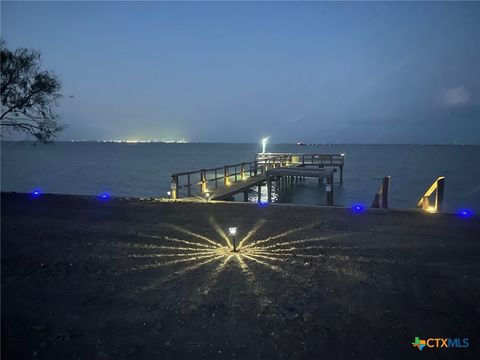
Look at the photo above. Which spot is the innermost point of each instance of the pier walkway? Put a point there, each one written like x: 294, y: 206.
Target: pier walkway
x: 223, y: 183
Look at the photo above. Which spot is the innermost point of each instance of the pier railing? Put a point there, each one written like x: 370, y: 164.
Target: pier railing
x: 201, y: 181
x: 302, y: 159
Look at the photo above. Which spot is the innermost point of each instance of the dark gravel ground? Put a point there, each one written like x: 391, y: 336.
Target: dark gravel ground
x: 89, y: 279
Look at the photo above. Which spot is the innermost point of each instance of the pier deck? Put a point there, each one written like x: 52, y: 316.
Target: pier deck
x: 223, y: 183
x: 225, y: 192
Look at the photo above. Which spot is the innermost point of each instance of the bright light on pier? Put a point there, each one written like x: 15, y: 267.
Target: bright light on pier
x: 232, y: 230
x: 264, y: 144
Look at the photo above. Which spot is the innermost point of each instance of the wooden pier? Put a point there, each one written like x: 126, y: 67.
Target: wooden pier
x: 223, y: 183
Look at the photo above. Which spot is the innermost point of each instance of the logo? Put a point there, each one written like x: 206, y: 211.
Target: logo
x: 420, y: 344
x: 441, y: 343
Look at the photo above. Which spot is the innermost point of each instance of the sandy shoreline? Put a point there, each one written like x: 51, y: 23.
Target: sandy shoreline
x: 84, y: 278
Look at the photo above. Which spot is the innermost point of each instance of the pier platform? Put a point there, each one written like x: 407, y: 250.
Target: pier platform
x: 223, y: 183
x: 89, y: 278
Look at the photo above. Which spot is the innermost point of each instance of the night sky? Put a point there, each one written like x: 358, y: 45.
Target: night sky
x: 235, y: 72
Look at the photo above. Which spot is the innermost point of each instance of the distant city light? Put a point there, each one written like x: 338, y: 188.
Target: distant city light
x: 36, y: 193
x: 358, y: 208
x: 264, y: 144
x: 342, y: 154
x: 465, y: 213
x: 104, y: 196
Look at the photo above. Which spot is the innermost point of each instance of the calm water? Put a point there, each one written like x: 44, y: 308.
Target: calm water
x: 143, y: 170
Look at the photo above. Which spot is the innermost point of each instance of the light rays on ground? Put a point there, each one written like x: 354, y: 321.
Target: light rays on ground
x: 219, y: 231
x: 191, y: 233
x: 254, y: 285
x: 184, y: 251
x: 252, y: 232
x: 283, y: 234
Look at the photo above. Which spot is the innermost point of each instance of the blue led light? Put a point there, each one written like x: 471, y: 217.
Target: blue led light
x: 358, y: 208
x: 263, y: 204
x: 104, y: 196
x: 465, y: 213
x: 36, y: 193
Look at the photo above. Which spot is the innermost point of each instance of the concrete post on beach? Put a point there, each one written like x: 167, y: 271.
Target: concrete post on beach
x: 329, y: 189
x: 438, y: 187
x: 439, y: 194
x: 381, y: 197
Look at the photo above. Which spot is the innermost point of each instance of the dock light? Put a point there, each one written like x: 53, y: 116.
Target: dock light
x: 104, y: 196
x: 342, y: 154
x: 358, y: 208
x: 431, y: 209
x: 264, y: 144
x: 233, y: 232
x: 169, y: 193
x: 36, y: 193
x: 207, y: 195
x: 465, y: 213
x: 262, y: 204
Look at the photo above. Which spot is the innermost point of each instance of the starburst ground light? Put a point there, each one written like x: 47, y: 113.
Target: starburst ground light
x: 188, y: 251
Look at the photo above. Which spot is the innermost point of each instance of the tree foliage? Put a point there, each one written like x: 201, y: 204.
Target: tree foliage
x: 29, y: 94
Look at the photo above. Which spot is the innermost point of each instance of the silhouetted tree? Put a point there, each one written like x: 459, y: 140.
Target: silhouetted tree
x: 28, y: 94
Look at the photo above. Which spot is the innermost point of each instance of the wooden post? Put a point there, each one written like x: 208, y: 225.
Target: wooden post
x: 235, y: 173
x: 245, y: 196
x: 203, y: 180
x: 329, y: 191
x: 385, y: 188
x: 189, y: 185
x: 225, y: 175
x: 216, y: 178
x: 259, y: 190
x: 174, y: 187
x: 242, y: 171
x: 439, y: 195
x: 269, y: 189
x: 341, y: 174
